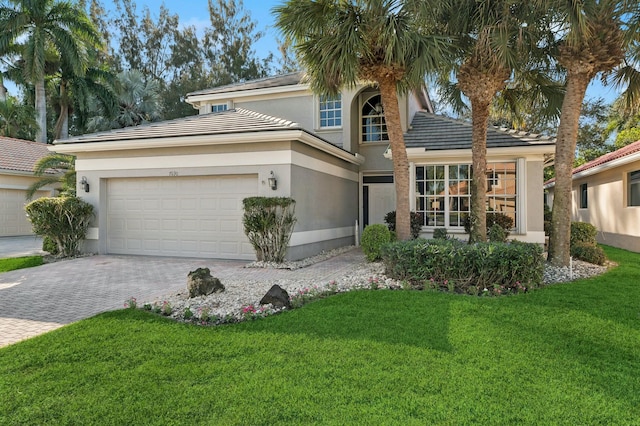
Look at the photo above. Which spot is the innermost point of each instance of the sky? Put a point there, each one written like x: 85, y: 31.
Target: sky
x: 196, y: 13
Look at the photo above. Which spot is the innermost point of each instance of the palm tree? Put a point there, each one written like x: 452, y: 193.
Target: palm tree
x: 42, y: 25
x: 138, y: 102
x: 386, y: 42
x: 592, y: 40
x: 16, y: 119
x: 55, y: 169
x: 494, y: 41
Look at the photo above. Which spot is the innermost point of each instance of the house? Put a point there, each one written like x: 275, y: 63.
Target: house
x: 606, y: 193
x: 176, y: 187
x: 17, y: 160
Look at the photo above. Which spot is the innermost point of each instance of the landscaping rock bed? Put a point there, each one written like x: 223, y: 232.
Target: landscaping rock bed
x: 241, y: 298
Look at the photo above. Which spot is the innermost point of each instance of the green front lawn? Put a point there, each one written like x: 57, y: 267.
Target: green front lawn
x: 565, y: 354
x: 12, y: 263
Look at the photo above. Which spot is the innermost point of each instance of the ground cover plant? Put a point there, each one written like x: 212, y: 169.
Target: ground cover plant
x: 564, y: 354
x: 13, y: 263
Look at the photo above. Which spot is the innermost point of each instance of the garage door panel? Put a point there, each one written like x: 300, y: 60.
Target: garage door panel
x: 180, y: 216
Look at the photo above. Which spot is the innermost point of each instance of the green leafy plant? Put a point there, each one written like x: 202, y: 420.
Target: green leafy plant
x: 416, y: 222
x: 49, y: 246
x: 497, y: 234
x: 440, y: 234
x: 373, y: 238
x: 589, y: 253
x: 166, y: 309
x: 268, y: 223
x: 64, y: 220
x: 583, y: 233
x: 493, y: 218
x: 454, y: 266
x: 131, y: 303
x: 187, y: 314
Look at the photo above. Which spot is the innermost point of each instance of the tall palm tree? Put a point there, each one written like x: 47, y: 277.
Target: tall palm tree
x: 494, y: 41
x: 386, y: 42
x: 40, y: 25
x: 55, y: 169
x: 592, y: 40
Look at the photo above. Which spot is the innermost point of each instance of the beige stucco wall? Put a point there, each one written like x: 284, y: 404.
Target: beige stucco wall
x: 13, y: 186
x: 618, y: 224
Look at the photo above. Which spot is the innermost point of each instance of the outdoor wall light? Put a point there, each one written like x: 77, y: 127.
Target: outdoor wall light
x: 84, y: 183
x: 273, y: 182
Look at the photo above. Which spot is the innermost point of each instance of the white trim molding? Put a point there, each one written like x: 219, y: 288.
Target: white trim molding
x: 319, y: 235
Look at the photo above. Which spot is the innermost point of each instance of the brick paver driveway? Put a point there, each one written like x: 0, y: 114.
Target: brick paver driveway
x: 36, y: 300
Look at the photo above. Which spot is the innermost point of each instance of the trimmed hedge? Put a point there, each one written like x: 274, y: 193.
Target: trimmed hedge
x: 373, y: 238
x: 465, y: 268
x: 583, y: 233
x: 589, y: 253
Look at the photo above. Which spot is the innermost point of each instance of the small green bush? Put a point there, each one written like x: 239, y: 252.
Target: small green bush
x: 465, y: 268
x: 373, y: 238
x: 440, y: 234
x: 49, y: 246
x: 589, y: 253
x: 268, y: 223
x: 493, y: 218
x: 416, y: 223
x: 64, y: 220
x: 497, y: 234
x: 583, y: 233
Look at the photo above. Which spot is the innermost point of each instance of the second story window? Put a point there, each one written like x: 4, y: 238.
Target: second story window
x: 218, y: 107
x: 374, y: 126
x: 331, y: 111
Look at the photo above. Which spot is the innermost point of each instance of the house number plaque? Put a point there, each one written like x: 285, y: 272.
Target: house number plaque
x: 173, y: 173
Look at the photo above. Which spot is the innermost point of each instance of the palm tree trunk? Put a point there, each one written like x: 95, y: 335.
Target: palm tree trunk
x: 480, y: 119
x: 389, y: 95
x: 62, y: 124
x: 559, y: 240
x: 41, y: 112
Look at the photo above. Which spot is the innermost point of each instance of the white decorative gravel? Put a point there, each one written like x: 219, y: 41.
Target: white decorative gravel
x: 228, y: 305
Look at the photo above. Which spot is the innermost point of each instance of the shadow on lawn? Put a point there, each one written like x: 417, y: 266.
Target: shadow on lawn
x: 384, y: 316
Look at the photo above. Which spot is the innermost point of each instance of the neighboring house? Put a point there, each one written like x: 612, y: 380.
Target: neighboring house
x: 606, y: 193
x: 17, y: 160
x: 176, y: 187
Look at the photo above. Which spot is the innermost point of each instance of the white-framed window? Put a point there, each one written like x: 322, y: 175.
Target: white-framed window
x: 633, y: 184
x: 584, y: 202
x: 443, y: 194
x: 373, y: 124
x: 330, y: 111
x: 218, y: 107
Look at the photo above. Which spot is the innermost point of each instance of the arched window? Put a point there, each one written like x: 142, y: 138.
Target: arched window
x: 374, y: 127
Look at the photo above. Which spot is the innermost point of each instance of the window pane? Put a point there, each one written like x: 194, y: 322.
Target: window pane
x: 634, y: 194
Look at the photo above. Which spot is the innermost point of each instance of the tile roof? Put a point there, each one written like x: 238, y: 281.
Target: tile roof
x: 435, y: 132
x: 237, y: 120
x: 290, y: 79
x: 20, y: 155
x: 622, y: 152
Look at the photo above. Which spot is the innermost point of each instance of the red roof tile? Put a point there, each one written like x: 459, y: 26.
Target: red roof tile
x: 20, y: 155
x: 603, y: 159
x: 622, y: 152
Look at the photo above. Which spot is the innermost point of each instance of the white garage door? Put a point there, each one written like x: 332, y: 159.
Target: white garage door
x: 179, y: 216
x: 13, y: 219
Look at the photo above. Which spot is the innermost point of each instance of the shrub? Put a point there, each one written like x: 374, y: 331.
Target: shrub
x: 440, y: 234
x: 416, y: 223
x: 497, y: 234
x: 583, y: 233
x: 493, y: 218
x: 373, y: 238
x: 49, y: 245
x: 268, y: 223
x: 465, y: 268
x: 589, y: 253
x: 63, y: 220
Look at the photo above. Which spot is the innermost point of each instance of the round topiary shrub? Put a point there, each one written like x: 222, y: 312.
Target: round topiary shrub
x: 373, y: 238
x: 497, y: 234
x: 583, y: 233
x: 589, y: 253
